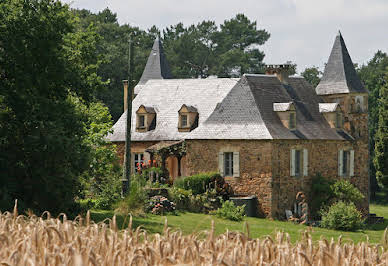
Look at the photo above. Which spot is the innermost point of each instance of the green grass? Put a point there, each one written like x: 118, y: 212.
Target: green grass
x: 194, y: 222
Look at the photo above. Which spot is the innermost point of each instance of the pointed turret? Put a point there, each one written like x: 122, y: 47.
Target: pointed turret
x: 157, y: 65
x: 339, y: 75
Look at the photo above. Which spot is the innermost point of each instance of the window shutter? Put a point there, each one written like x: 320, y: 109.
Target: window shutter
x: 236, y: 164
x: 305, y: 162
x: 351, y: 168
x: 340, y: 159
x: 221, y: 163
x: 292, y: 163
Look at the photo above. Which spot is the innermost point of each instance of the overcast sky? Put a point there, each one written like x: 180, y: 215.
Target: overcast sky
x: 302, y: 31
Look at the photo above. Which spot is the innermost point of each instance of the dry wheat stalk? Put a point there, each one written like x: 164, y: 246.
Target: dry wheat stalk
x: 48, y: 241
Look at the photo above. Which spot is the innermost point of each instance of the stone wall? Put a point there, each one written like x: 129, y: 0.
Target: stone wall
x: 136, y: 147
x: 255, y: 166
x: 322, y: 158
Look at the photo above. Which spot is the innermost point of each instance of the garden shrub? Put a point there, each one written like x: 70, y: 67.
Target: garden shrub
x: 181, y: 197
x: 185, y: 200
x: 137, y: 198
x: 342, y: 216
x: 230, y: 211
x: 202, y: 182
x: 345, y: 191
x: 321, y: 194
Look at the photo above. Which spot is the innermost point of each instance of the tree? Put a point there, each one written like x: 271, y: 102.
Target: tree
x: 43, y: 59
x: 381, y: 144
x: 237, y: 50
x: 373, y: 77
x: 112, y: 47
x: 312, y: 75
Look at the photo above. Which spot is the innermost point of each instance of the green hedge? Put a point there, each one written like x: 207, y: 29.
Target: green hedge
x: 198, y: 183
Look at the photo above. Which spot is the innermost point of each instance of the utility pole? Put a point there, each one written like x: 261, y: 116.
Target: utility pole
x: 127, y: 156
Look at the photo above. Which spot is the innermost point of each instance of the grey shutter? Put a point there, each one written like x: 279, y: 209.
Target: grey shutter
x: 292, y: 163
x: 305, y: 162
x: 340, y: 162
x: 221, y: 163
x: 351, y: 168
x: 236, y: 164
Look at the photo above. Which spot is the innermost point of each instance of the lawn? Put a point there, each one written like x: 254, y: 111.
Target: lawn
x: 194, y: 222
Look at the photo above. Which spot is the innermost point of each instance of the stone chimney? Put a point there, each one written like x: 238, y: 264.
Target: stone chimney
x: 281, y: 72
x: 125, y: 83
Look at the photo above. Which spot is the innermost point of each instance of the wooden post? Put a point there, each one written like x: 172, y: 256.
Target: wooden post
x: 126, y: 181
x: 179, y: 165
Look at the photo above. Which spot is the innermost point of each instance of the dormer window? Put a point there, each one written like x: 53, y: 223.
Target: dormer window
x: 338, y: 119
x: 145, y: 118
x: 188, y: 118
x: 286, y: 113
x: 332, y: 113
x: 292, y: 120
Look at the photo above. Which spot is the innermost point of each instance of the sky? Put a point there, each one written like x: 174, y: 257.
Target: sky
x: 302, y: 31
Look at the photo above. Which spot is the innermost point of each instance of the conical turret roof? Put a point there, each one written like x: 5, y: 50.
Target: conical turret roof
x: 339, y: 75
x: 157, y: 65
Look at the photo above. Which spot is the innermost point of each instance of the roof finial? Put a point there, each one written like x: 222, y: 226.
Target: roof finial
x: 339, y: 33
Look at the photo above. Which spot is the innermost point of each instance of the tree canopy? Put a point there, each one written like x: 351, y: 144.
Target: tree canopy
x: 44, y: 62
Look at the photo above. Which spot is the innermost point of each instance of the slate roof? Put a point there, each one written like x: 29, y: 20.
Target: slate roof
x: 327, y: 107
x: 339, y: 75
x: 282, y: 107
x: 247, y: 112
x: 167, y: 96
x: 157, y: 66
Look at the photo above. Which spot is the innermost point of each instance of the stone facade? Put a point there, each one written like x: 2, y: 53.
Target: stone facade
x: 255, y: 166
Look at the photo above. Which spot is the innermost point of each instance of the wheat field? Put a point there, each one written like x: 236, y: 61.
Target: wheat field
x: 32, y: 240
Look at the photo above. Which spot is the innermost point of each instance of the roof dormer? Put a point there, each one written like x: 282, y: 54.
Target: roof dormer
x: 188, y: 118
x: 332, y: 113
x: 286, y: 113
x: 145, y: 118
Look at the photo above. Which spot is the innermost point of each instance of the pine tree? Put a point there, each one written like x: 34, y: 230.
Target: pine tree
x: 381, y: 143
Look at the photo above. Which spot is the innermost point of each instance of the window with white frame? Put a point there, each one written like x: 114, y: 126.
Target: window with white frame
x: 229, y: 163
x: 138, y: 159
x: 184, y: 121
x: 299, y: 162
x: 346, y: 163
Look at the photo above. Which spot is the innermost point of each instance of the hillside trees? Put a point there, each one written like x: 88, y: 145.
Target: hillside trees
x: 45, y: 63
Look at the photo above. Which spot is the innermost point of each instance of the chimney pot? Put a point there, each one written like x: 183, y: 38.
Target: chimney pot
x: 281, y: 72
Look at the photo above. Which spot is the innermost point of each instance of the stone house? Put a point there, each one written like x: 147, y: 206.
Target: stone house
x: 268, y: 135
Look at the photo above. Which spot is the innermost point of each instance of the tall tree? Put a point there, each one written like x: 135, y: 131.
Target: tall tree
x: 373, y: 76
x: 381, y: 144
x: 237, y: 47
x: 113, y: 48
x: 312, y: 75
x: 42, y: 147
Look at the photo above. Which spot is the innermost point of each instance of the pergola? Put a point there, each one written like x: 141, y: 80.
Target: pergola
x: 165, y: 149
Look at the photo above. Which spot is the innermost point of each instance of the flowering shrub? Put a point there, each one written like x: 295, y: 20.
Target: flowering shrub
x: 160, y: 205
